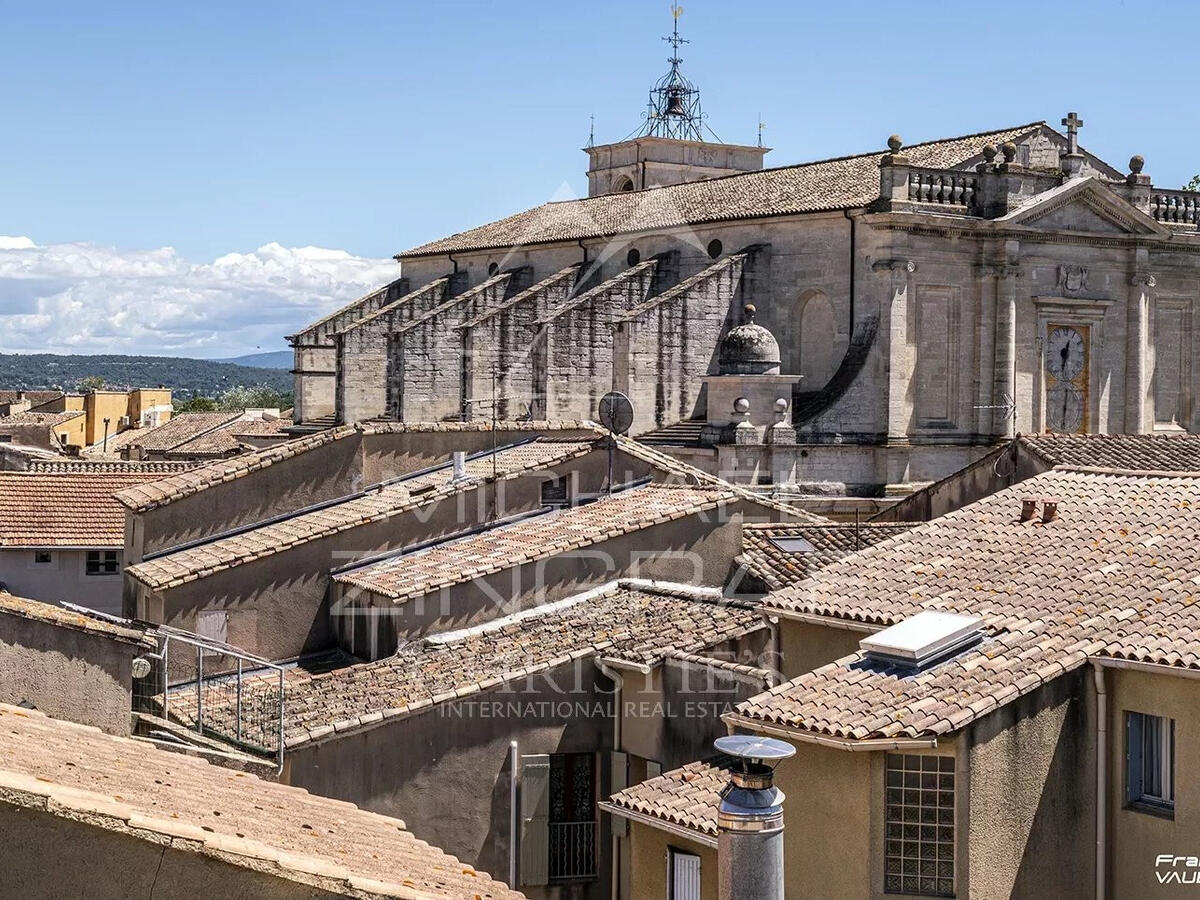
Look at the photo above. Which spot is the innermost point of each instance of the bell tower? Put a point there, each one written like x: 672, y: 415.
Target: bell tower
x: 670, y: 146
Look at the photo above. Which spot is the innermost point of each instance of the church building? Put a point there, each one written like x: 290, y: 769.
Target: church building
x: 911, y: 306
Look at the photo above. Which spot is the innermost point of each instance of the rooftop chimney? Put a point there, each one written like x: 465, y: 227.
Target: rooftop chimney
x: 1049, y: 509
x: 460, y: 465
x: 750, y: 820
x: 1028, y: 508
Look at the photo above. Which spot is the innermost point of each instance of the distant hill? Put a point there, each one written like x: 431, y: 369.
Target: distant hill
x: 187, y: 377
x: 279, y: 359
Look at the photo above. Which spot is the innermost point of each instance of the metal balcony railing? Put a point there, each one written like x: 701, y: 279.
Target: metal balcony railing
x: 572, y: 851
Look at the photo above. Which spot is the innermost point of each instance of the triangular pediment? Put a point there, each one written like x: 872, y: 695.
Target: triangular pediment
x: 1086, y: 205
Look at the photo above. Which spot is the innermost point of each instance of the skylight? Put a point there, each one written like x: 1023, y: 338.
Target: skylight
x: 793, y: 544
x: 924, y: 638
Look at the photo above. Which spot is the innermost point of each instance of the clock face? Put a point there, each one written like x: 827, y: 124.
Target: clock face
x: 1064, y: 353
x: 1064, y: 408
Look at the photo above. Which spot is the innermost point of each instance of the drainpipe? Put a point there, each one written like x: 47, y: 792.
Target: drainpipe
x: 618, y: 681
x: 514, y: 815
x: 1101, y: 782
x: 853, y: 242
x: 450, y: 256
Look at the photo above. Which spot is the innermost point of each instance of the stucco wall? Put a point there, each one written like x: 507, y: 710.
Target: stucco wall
x: 1032, y: 795
x: 66, y: 673
x: 1135, y: 837
x: 63, y: 578
x: 447, y: 771
x: 649, y: 854
x: 47, y: 856
x: 804, y: 646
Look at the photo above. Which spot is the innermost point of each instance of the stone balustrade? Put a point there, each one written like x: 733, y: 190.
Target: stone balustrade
x: 1175, y: 207
x: 945, y: 187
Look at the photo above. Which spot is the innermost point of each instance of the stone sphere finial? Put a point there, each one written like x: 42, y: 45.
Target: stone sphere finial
x: 741, y: 405
x: 750, y: 311
x: 1009, y: 149
x: 989, y: 152
x: 1136, y: 163
x: 895, y: 143
x: 781, y: 405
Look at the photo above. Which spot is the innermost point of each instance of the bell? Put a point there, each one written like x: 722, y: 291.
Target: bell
x: 675, y: 105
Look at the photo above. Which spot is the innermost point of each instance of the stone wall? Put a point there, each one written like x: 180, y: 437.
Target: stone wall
x: 666, y: 344
x: 362, y: 350
x: 503, y: 340
x: 573, y: 352
x: 425, y: 372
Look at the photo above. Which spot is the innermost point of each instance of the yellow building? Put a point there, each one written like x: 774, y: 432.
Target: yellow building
x: 112, y: 412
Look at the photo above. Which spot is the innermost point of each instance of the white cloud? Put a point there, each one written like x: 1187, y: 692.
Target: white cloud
x: 85, y: 298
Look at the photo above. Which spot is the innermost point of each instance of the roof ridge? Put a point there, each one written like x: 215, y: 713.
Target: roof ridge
x: 1129, y: 473
x: 800, y: 165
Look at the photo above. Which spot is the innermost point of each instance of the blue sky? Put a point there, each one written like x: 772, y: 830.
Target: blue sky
x: 370, y: 127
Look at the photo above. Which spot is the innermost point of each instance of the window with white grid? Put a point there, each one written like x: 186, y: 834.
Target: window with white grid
x: 919, y: 815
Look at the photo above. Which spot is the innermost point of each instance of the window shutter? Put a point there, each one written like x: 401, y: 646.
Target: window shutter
x: 618, y: 781
x: 685, y: 876
x: 535, y: 819
x: 1133, y: 757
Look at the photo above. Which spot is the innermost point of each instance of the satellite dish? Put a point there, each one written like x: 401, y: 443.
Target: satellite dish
x: 616, y: 412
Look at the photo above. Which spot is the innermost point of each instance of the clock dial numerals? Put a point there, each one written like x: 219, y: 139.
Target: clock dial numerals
x: 1064, y: 353
x: 1064, y: 408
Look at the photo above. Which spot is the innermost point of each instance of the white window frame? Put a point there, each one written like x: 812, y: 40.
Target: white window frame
x: 1150, y: 762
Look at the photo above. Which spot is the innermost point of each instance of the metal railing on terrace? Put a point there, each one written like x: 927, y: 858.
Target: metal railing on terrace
x: 215, y: 690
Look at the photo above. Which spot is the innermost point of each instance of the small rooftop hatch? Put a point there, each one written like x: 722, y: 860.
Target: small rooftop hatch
x: 924, y: 638
x: 793, y: 543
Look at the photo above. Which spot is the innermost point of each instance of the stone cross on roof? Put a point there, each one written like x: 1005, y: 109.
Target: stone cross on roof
x: 1073, y: 123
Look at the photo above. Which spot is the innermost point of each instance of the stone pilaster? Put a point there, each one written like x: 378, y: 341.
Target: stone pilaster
x: 898, y: 360
x: 1004, y: 372
x: 1138, y: 415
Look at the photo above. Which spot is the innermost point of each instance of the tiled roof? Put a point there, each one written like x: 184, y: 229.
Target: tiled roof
x: 458, y: 560
x: 64, y: 618
x: 185, y: 484
x: 134, y: 789
x: 843, y: 183
x: 183, y: 566
x: 49, y: 420
x: 1114, y: 575
x: 1143, y: 452
x: 223, y: 441
x: 179, y: 429
x: 777, y: 568
x: 71, y: 464
x: 687, y: 796
x: 34, y: 397
x: 58, y: 509
x: 636, y: 621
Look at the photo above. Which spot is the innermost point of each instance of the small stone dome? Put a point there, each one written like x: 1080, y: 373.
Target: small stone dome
x: 749, y: 349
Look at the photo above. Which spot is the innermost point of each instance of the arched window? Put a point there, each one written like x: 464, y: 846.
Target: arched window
x: 493, y: 268
x: 622, y: 183
x: 633, y: 257
x: 714, y: 248
x: 818, y: 339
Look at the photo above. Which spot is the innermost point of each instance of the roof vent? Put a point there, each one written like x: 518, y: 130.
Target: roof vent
x: 792, y: 543
x: 922, y: 639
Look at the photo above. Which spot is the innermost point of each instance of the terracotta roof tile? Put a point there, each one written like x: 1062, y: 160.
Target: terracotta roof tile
x: 182, y: 566
x: 1115, y: 574
x: 456, y: 561
x: 49, y: 420
x: 687, y: 796
x: 64, y: 618
x: 842, y: 183
x: 777, y: 568
x: 64, y: 509
x: 133, y: 788
x: 1144, y: 452
x: 179, y: 429
x: 637, y: 621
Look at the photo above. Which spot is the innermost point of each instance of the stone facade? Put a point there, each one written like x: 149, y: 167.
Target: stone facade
x: 935, y: 300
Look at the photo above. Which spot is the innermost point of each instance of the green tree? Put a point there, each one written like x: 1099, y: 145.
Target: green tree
x: 260, y: 396
x: 91, y: 383
x: 195, y: 404
x: 1193, y: 185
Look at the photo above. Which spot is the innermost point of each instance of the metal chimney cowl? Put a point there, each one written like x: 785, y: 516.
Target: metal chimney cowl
x: 750, y: 820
